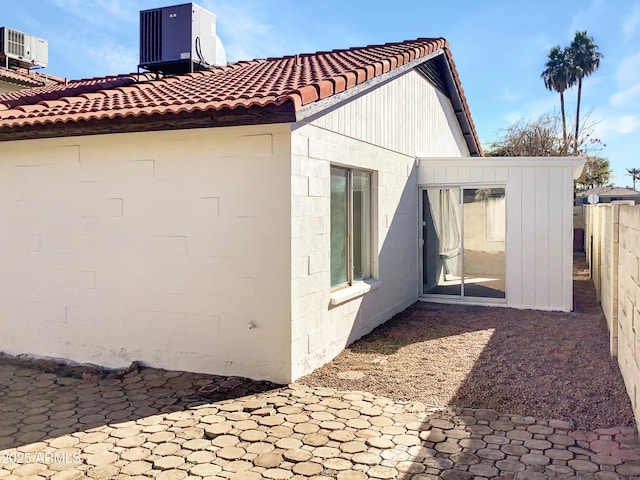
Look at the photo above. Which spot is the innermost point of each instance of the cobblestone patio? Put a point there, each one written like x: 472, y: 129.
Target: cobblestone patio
x: 174, y: 425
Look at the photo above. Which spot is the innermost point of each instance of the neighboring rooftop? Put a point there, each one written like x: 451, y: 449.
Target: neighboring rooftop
x: 25, y: 78
x: 608, y: 195
x: 609, y: 192
x: 272, y: 90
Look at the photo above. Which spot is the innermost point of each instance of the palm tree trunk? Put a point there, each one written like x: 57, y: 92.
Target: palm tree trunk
x: 575, y: 140
x: 565, y: 147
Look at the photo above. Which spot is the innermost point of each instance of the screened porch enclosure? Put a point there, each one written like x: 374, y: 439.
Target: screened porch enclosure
x: 463, y: 242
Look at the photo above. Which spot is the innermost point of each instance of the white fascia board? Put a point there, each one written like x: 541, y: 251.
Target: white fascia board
x: 576, y: 163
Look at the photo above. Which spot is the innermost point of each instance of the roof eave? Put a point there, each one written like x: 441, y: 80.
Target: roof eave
x: 254, y: 115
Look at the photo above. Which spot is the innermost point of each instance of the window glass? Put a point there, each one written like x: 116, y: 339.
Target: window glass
x: 339, y: 227
x: 361, y: 225
x: 350, y: 226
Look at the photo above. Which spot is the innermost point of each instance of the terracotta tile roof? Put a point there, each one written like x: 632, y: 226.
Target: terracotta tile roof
x: 272, y: 85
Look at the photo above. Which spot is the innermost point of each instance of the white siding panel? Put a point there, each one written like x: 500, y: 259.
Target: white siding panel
x: 515, y: 226
x: 557, y: 217
x: 528, y: 220
x: 406, y: 115
x: 541, y: 235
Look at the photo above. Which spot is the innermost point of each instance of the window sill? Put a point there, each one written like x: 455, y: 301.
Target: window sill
x: 356, y: 290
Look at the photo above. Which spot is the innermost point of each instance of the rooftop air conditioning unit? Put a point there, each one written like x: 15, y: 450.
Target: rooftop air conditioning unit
x: 179, y: 39
x: 23, y: 50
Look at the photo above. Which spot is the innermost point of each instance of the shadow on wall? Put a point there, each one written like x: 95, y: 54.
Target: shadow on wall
x: 397, y: 265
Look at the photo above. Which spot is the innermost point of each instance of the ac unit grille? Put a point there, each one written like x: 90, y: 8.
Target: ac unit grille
x: 150, y: 36
x: 15, y: 43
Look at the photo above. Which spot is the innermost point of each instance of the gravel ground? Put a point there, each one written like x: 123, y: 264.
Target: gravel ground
x: 549, y: 365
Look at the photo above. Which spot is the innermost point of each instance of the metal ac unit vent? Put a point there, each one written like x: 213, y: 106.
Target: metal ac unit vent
x: 22, y: 50
x: 179, y: 39
x: 151, y: 36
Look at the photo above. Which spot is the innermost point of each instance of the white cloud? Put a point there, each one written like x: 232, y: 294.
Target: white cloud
x: 628, y: 69
x: 535, y: 109
x: 627, y: 78
x: 104, y: 16
x: 622, y: 125
x: 245, y: 32
x: 626, y: 97
x: 631, y: 23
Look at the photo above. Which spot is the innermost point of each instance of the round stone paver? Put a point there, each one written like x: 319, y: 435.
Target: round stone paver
x: 338, y: 464
x: 535, y: 459
x: 201, y: 456
x: 231, y: 453
x: 448, y: 447
x: 315, y: 439
x: 225, y: 441
x: 307, y: 469
x: 484, y: 470
x: 268, y: 460
x: 288, y: 443
x: 134, y: 454
x: 380, y: 471
x: 173, y: 474
x: 205, y: 470
x: 102, y: 458
x: 583, y: 466
x: 252, y: 436
x: 297, y: 455
x: 342, y: 436
x: 167, y: 448
x: 277, y: 474
x: 353, y: 447
x: 168, y: 462
x: 352, y: 475
x: 406, y: 440
x: 136, y: 468
x: 380, y: 442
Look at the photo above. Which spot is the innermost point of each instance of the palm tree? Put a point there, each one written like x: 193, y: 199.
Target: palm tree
x: 558, y: 76
x: 635, y: 175
x: 585, y: 59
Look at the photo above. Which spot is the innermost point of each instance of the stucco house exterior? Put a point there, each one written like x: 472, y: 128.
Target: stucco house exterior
x: 255, y: 219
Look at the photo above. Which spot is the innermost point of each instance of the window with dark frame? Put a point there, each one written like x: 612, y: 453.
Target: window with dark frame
x: 350, y: 226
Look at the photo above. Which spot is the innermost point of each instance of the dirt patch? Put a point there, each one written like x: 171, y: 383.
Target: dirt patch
x: 550, y: 365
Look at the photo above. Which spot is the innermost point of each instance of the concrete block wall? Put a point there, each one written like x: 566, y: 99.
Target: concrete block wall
x: 167, y: 247
x: 321, y: 330
x: 614, y: 259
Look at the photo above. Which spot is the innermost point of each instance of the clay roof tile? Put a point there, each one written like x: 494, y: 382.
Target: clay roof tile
x: 296, y: 79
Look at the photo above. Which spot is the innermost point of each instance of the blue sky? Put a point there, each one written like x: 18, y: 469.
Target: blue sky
x: 499, y: 47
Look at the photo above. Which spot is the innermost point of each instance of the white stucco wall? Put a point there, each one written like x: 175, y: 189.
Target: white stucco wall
x: 379, y: 131
x: 168, y: 247
x: 539, y: 220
